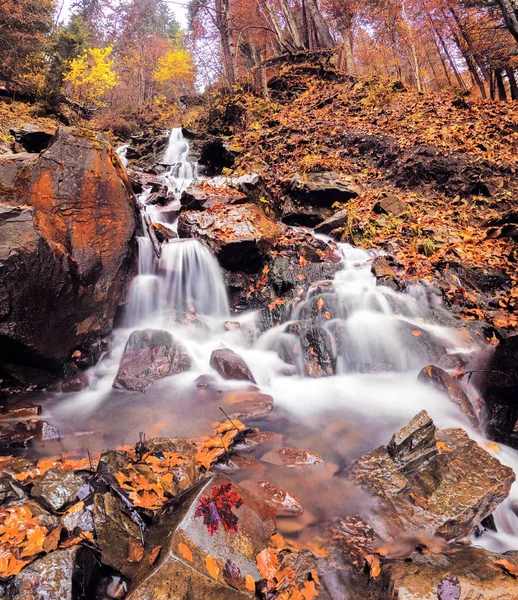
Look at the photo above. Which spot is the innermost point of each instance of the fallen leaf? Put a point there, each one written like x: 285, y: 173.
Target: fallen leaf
x: 218, y: 509
x: 249, y: 582
x: 212, y: 566
x: 507, y: 566
x: 320, y: 303
x: 267, y: 563
x: 185, y: 551
x: 51, y: 542
x: 232, y: 575
x: 153, y: 555
x: 135, y: 550
x: 309, y: 591
x: 442, y: 447
x: 374, y: 565
x: 416, y: 332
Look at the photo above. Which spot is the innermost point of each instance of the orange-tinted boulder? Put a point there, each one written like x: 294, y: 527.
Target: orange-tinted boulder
x: 67, y: 221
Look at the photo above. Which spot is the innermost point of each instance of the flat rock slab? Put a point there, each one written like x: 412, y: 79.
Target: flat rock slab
x: 435, y: 481
x: 323, y: 189
x: 150, y: 354
x: 204, y: 545
x: 472, y: 571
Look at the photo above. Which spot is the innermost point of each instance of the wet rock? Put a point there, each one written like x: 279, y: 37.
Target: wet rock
x: 316, y: 347
x: 436, y: 481
x: 235, y: 463
x: 291, y: 457
x: 150, y: 354
x: 215, y: 156
x: 190, y: 554
x: 476, y: 570
x: 390, y: 204
x: 163, y: 233
x: 78, y: 520
x: 60, y: 575
x: 74, y: 384
x: 259, y: 441
x: 230, y: 365
x: 25, y: 410
x: 445, y: 383
x: 247, y: 404
x: 251, y: 184
x: 66, y: 229
x: 338, y: 220
x: 382, y: 270
x: 240, y: 236
x: 25, y: 433
x: 323, y: 189
x: 115, y: 532
x: 482, y: 279
x: 203, y: 196
x: 57, y: 488
x: 496, y: 377
x: 285, y: 503
x: 11, y: 491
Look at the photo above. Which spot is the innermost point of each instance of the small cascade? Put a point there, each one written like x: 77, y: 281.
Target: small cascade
x: 122, y: 151
x: 181, y: 172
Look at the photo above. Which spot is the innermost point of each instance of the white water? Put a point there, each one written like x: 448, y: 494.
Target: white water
x: 372, y: 329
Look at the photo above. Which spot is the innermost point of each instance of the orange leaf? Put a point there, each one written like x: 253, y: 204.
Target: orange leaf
x: 442, y: 447
x: 507, y: 566
x: 185, y: 551
x: 320, y: 303
x: 374, y: 564
x: 267, y: 563
x: 416, y: 332
x: 249, y: 582
x: 51, y: 542
x: 309, y: 591
x: 212, y: 566
x: 327, y: 315
x: 135, y: 551
x: 153, y: 555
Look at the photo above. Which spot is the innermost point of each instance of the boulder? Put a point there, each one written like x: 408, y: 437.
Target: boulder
x: 57, y: 488
x: 496, y: 377
x: 230, y: 365
x: 200, y: 196
x: 215, y: 156
x: 390, y: 204
x: 316, y: 349
x: 204, y: 545
x: 150, y: 354
x: 240, y: 236
x: 323, y: 189
x: 445, y: 383
x: 339, y: 219
x: 475, y: 573
x: 437, y: 482
x: 67, y: 221
x: 116, y: 533
x: 60, y: 575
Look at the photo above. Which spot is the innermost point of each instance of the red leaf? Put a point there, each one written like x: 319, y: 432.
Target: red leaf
x: 219, y: 508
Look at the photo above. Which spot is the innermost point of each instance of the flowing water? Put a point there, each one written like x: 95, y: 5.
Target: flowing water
x: 381, y: 339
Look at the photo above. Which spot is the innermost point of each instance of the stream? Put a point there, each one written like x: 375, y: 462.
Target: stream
x: 340, y: 416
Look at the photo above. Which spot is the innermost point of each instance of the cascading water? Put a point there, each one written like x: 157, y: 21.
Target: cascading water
x: 181, y: 171
x: 379, y: 340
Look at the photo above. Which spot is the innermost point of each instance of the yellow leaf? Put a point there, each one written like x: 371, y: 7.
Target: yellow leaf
x: 442, y: 447
x: 249, y: 582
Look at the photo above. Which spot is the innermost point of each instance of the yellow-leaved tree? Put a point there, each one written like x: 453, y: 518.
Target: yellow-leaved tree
x: 90, y: 76
x: 175, y: 70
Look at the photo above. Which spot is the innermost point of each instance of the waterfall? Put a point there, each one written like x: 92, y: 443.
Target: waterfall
x: 186, y: 279
x: 379, y: 339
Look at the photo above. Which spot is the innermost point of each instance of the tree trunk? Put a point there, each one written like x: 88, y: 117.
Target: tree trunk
x: 413, y: 52
x: 513, y: 86
x: 293, y: 27
x: 467, y: 38
x: 470, y: 63
x: 510, y: 11
x: 323, y: 35
x: 502, y: 94
x: 347, y: 34
x: 223, y: 26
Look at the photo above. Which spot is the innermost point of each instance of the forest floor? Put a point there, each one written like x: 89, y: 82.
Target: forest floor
x: 451, y: 161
